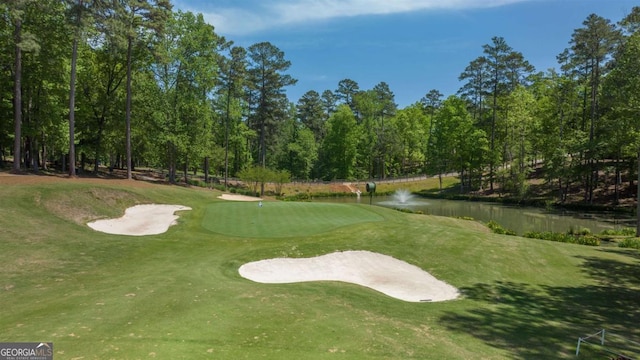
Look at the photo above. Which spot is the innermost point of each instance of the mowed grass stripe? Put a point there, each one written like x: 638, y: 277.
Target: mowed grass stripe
x: 282, y: 219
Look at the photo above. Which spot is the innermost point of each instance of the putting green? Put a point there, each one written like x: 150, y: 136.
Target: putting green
x: 282, y: 219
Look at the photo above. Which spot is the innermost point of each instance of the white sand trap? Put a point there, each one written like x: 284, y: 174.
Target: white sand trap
x: 236, y: 197
x: 383, y: 273
x: 141, y: 220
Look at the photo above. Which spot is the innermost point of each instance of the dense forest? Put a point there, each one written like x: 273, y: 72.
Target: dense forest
x: 89, y: 85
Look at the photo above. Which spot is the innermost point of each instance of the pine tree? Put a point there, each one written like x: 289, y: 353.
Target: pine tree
x: 233, y: 75
x: 591, y: 49
x: 311, y: 113
x: 266, y: 75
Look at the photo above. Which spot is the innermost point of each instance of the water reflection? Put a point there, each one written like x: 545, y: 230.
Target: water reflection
x: 519, y: 219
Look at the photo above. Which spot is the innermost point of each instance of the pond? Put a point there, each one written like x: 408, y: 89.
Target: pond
x: 516, y: 218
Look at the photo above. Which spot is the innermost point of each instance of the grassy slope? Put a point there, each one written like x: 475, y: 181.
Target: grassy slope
x: 178, y: 295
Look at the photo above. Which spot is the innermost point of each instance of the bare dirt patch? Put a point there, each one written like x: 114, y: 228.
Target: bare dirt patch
x: 86, y: 204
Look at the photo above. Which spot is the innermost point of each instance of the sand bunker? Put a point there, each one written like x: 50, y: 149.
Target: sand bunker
x: 383, y: 273
x: 141, y: 220
x: 236, y: 197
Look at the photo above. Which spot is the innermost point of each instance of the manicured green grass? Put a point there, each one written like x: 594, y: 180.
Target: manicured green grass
x: 178, y: 295
x: 282, y: 219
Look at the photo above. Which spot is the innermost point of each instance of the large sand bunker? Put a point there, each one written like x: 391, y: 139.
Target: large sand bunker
x: 380, y: 272
x: 139, y: 220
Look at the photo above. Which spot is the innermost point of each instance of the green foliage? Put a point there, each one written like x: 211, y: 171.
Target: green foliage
x: 302, y: 196
x: 310, y: 112
x: 346, y: 92
x: 339, y: 148
x: 185, y: 73
x: 306, y: 196
x: 579, y: 232
x: 297, y: 149
x: 377, y: 143
x: 410, y: 137
x: 594, y: 43
x: 257, y: 175
x: 490, y: 79
x: 631, y: 242
x: 456, y: 145
x: 266, y: 75
x: 254, y: 176
x: 519, y: 125
x: 279, y: 178
x: 581, y: 237
x: 628, y: 231
x: 498, y: 229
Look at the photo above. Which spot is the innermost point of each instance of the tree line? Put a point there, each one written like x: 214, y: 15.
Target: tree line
x: 126, y: 83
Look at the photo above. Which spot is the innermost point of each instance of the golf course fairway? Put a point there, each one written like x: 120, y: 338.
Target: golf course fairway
x: 179, y: 294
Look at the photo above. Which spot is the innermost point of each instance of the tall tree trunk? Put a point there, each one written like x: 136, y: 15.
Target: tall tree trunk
x: 128, y: 106
x: 185, y: 170
x: 98, y: 148
x: 72, y: 105
x: 616, y: 182
x: 17, y: 97
x: 493, y: 134
x: 226, y: 140
x: 263, y: 153
x: 172, y: 163
x: 44, y: 151
x: 27, y: 122
x: 206, y: 170
x: 638, y: 198
x: 593, y: 176
x: 33, y: 154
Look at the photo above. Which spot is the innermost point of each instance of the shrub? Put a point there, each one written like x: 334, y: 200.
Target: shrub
x: 578, y: 232
x: 631, y: 242
x: 628, y: 231
x: 533, y: 235
x: 570, y: 237
x: 498, y: 229
x: 303, y: 196
x: 620, y: 232
x: 248, y: 192
x: 589, y: 240
x: 196, y: 182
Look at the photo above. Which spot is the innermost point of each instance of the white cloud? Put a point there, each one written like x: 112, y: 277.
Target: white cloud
x: 268, y: 14
x: 232, y: 21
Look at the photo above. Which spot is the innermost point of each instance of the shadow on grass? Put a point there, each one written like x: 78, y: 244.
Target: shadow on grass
x: 630, y: 253
x: 544, y: 322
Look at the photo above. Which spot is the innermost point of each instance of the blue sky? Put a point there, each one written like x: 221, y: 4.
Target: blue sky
x: 412, y: 45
